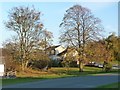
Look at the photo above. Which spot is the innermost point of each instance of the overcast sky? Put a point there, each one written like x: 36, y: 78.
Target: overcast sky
x: 53, y: 12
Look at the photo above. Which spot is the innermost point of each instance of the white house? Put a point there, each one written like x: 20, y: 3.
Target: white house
x: 59, y: 53
x: 53, y: 52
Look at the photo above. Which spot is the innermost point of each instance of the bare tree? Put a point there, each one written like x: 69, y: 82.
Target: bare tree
x: 26, y: 23
x: 46, y: 39
x: 79, y: 26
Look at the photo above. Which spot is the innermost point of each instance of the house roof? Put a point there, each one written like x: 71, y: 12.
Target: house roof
x: 52, y: 47
x: 63, y: 52
x: 66, y: 50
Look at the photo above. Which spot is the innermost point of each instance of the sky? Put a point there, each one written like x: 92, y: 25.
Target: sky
x: 53, y: 13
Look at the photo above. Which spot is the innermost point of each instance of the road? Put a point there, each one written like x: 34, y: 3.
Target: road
x: 73, y: 82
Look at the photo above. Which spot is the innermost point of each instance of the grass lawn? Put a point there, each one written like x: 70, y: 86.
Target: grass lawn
x: 113, y: 85
x: 18, y: 80
x: 34, y: 75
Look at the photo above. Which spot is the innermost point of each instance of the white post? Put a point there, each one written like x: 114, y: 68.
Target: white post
x: 1, y: 70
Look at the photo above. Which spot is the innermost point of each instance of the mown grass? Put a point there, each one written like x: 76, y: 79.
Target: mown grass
x: 35, y: 75
x: 19, y: 80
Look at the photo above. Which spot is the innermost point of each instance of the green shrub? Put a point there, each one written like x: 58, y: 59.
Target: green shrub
x: 56, y: 63
x: 73, y: 64
x: 39, y: 60
x: 107, y: 67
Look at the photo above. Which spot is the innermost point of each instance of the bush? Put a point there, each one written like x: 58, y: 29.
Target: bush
x: 73, y: 64
x: 107, y: 67
x: 40, y: 64
x: 39, y: 60
x: 56, y: 63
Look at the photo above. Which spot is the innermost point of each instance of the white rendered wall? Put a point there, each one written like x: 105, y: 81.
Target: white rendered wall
x: 1, y: 69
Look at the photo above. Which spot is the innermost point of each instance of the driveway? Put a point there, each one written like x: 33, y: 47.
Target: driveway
x: 73, y: 82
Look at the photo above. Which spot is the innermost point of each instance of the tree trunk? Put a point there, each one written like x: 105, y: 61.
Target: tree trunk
x: 26, y: 64
x: 80, y: 65
x: 23, y: 66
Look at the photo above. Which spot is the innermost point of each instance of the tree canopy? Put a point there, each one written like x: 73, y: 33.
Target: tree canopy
x: 80, y: 26
x: 26, y: 22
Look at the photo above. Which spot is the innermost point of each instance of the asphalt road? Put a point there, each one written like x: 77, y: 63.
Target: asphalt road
x: 73, y: 82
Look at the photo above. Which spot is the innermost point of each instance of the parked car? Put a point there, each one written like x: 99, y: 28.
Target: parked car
x: 91, y: 64
x: 115, y: 67
x: 100, y: 65
x: 94, y: 64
